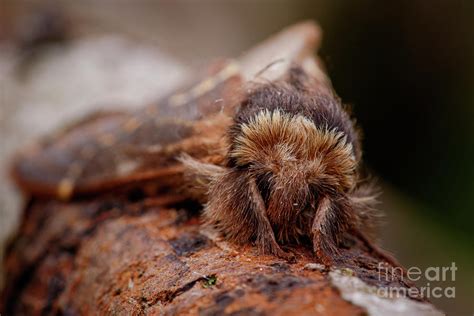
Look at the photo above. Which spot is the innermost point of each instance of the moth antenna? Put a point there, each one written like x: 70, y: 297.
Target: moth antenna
x: 264, y: 69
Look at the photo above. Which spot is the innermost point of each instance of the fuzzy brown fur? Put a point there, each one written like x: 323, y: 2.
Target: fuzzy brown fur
x: 291, y: 173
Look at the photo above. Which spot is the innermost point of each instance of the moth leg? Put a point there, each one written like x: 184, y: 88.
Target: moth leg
x: 329, y: 225
x: 265, y: 240
x: 236, y: 208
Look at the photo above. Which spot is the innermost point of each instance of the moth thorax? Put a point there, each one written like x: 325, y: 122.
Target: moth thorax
x: 287, y: 145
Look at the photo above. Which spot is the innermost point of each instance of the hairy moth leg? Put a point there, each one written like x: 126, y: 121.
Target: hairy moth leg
x: 234, y: 205
x: 329, y: 225
x: 265, y: 240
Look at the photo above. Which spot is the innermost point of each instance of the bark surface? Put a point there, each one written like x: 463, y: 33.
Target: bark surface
x: 119, y: 255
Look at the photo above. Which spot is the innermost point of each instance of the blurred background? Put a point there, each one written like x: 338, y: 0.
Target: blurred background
x: 406, y: 67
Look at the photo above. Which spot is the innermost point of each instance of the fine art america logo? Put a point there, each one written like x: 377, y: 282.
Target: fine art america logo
x: 433, y: 281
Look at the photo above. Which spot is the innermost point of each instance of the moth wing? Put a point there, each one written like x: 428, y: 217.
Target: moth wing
x: 39, y: 168
x: 106, y: 151
x: 112, y: 150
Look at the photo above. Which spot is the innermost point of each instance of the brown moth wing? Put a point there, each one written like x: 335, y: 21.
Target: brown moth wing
x: 113, y: 150
x: 39, y: 167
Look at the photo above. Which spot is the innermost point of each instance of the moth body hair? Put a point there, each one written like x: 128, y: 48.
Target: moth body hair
x: 291, y: 173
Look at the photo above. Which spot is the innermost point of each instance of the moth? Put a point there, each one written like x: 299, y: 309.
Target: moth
x: 262, y: 141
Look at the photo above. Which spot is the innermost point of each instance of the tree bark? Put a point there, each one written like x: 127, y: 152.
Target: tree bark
x: 115, y: 255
